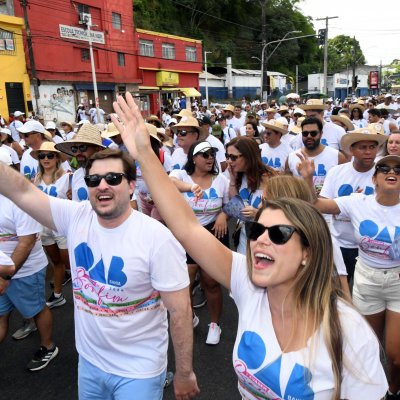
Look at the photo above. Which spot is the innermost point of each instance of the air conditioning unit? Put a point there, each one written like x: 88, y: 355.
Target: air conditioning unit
x: 85, y: 19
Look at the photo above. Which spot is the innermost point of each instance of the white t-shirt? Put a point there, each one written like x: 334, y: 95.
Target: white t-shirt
x: 359, y: 123
x: 229, y: 134
x: 210, y: 205
x: 13, y: 223
x: 78, y: 186
x: 178, y: 159
x: 235, y: 123
x: 264, y: 372
x: 275, y: 157
x: 57, y: 189
x: 13, y: 128
x: 323, y: 162
x: 28, y: 166
x: 5, y: 260
x: 57, y: 139
x: 13, y: 153
x: 343, y: 180
x: 375, y: 227
x: 117, y: 275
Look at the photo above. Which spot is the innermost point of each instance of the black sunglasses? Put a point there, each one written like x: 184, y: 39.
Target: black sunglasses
x: 385, y: 169
x: 49, y: 156
x: 278, y: 234
x: 184, y: 133
x: 82, y: 148
x: 312, y: 133
x: 111, y: 178
x: 232, y: 157
x: 207, y: 154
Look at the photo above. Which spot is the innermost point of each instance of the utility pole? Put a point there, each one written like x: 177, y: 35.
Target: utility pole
x: 264, y: 79
x: 24, y: 5
x: 326, y: 52
x: 205, y: 69
x: 354, y: 79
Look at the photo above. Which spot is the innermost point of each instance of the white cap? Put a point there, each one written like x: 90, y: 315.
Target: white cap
x: 6, y: 131
x: 18, y: 113
x: 299, y: 111
x: 172, y: 121
x: 5, y: 157
x: 283, y: 121
x: 202, y: 147
x: 388, y: 95
x: 50, y: 125
x: 32, y: 126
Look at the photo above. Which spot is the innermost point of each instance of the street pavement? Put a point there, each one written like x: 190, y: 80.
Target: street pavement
x: 212, y: 364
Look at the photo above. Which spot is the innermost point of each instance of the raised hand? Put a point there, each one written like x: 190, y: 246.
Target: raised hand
x: 130, y: 125
x: 305, y: 167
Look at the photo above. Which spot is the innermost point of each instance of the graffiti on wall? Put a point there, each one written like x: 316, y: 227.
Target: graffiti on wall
x: 57, y: 103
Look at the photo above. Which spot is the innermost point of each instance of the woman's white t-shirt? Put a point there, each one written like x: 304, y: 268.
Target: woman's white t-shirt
x: 264, y: 372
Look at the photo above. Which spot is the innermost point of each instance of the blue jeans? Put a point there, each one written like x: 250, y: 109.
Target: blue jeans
x: 95, y: 384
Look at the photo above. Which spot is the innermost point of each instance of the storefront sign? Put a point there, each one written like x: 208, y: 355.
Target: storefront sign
x: 73, y: 32
x: 166, y: 78
x: 374, y: 79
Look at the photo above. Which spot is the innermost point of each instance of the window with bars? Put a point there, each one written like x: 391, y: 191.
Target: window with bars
x: 7, y: 42
x: 83, y: 8
x: 168, y: 51
x: 116, y: 21
x: 146, y: 48
x: 121, y: 59
x: 85, y: 55
x: 190, y: 53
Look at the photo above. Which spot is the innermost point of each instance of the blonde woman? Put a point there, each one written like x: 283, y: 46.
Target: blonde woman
x: 296, y: 337
x: 53, y: 180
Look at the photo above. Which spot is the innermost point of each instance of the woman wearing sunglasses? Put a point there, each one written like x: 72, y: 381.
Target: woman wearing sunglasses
x: 53, y: 180
x: 296, y: 338
x: 206, y: 191
x: 248, y: 175
x: 376, y: 223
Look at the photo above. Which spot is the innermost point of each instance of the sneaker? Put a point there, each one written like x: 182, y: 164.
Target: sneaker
x: 54, y: 301
x: 199, y: 298
x: 214, y: 334
x: 168, y: 379
x: 196, y: 320
x: 28, y: 327
x: 41, y: 358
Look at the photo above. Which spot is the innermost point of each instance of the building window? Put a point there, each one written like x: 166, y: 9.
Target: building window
x: 83, y: 8
x: 168, y: 51
x: 121, y: 59
x: 85, y: 55
x: 7, y: 44
x: 190, y: 53
x: 146, y: 48
x: 116, y: 21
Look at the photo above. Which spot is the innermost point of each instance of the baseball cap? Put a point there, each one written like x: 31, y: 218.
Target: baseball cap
x: 50, y: 125
x: 18, y: 113
x: 6, y: 131
x: 203, y: 119
x: 32, y: 126
x: 203, y: 147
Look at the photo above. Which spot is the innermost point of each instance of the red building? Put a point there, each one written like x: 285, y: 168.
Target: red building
x: 62, y: 57
x: 169, y: 66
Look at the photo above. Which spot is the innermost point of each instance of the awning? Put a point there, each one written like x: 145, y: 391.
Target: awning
x: 190, y: 92
x: 100, y: 86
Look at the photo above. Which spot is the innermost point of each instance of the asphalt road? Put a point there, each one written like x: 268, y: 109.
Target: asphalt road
x: 212, y: 364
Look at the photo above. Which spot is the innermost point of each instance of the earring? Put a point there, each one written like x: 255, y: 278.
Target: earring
x: 303, y: 263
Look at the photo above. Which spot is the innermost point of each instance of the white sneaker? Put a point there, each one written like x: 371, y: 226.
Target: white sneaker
x: 214, y: 334
x: 196, y: 320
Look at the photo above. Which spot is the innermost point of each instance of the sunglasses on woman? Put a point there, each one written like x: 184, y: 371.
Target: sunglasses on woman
x: 385, y: 169
x: 312, y: 133
x: 278, y: 234
x: 232, y: 157
x: 82, y: 148
x: 207, y: 154
x: 111, y: 178
x: 49, y: 156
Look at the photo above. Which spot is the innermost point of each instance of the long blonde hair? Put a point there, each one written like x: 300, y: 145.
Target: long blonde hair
x: 57, y: 173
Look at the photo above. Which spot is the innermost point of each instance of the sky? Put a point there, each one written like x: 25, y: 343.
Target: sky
x: 375, y: 24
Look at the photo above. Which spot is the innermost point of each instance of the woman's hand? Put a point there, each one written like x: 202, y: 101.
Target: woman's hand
x: 249, y: 212
x: 220, y: 227
x: 197, y: 191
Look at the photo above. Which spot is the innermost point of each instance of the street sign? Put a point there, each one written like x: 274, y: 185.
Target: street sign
x: 73, y: 32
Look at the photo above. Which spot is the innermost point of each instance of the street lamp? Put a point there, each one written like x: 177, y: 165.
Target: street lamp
x: 259, y: 59
x: 264, y: 61
x: 205, y: 69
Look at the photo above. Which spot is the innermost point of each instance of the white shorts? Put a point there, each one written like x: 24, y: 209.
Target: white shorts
x: 376, y: 289
x: 50, y: 237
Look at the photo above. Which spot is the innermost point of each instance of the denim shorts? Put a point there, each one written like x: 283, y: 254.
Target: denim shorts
x: 95, y: 384
x: 376, y: 289
x: 26, y: 294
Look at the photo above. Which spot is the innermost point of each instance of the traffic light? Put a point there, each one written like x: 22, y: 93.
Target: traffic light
x: 355, y: 81
x: 321, y: 36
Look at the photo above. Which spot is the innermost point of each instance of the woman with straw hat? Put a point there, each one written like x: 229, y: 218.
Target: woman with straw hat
x: 53, y: 180
x: 356, y: 115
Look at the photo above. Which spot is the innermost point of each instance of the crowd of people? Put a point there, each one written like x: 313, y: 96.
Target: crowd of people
x: 296, y: 204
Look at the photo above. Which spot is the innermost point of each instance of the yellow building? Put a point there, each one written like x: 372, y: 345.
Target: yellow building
x: 14, y: 80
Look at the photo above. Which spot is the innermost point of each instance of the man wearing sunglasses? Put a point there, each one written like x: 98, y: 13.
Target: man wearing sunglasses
x: 127, y: 271
x: 83, y: 145
x: 324, y: 157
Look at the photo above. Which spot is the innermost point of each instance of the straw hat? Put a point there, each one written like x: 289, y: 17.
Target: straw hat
x: 110, y: 132
x: 69, y: 123
x: 272, y: 110
x: 165, y: 139
x: 184, y: 113
x: 45, y: 146
x: 154, y: 118
x: 357, y: 105
x: 152, y: 130
x: 314, y: 104
x: 187, y: 122
x: 283, y: 108
x: 389, y: 158
x: 297, y: 128
x: 373, y: 132
x: 88, y: 134
x: 275, y: 125
x: 344, y: 119
x: 230, y: 108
